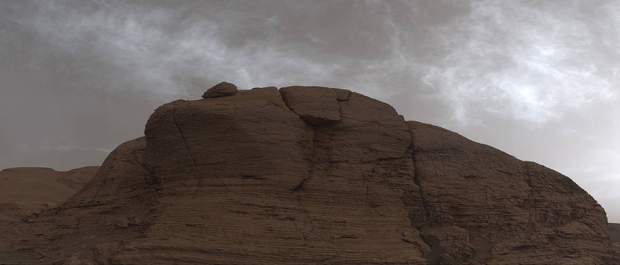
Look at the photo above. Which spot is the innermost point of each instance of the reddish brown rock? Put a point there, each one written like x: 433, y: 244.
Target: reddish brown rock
x: 506, y: 211
x: 315, y: 105
x: 311, y: 175
x: 614, y: 233
x: 257, y: 173
x: 614, y: 236
x: 220, y: 90
x: 342, y: 94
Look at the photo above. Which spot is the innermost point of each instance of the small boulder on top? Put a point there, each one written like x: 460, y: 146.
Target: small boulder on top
x: 220, y: 90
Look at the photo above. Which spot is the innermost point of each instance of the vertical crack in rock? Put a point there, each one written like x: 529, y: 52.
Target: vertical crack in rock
x: 285, y: 103
x: 198, y: 178
x: 372, y: 208
x: 313, y: 163
x: 425, y: 204
x: 149, y: 178
x: 135, y: 156
x: 416, y: 180
x: 314, y: 229
x: 532, y: 218
x: 312, y: 160
x: 99, y: 189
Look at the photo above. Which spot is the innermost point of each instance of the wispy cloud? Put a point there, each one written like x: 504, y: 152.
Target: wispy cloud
x: 143, y: 54
x: 530, y: 60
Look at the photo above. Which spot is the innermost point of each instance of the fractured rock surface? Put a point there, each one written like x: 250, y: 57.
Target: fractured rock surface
x: 490, y: 207
x: 315, y: 105
x: 220, y: 90
x: 311, y: 175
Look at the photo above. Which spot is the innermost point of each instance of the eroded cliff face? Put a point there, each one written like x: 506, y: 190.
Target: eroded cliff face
x: 485, y: 205
x: 307, y: 175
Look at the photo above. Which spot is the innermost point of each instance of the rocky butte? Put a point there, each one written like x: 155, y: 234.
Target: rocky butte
x: 311, y: 175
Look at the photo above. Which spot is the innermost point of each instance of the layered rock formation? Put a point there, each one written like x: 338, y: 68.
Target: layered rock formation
x: 311, y: 175
x: 614, y: 236
x: 24, y: 191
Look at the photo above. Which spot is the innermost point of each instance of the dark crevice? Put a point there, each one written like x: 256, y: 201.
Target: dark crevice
x: 300, y: 185
x: 150, y: 177
x: 425, y: 204
x: 314, y: 229
x: 340, y: 109
x: 372, y: 208
x: 198, y: 178
x: 416, y: 180
x: 135, y: 156
x: 530, y: 200
x: 253, y: 177
x: 312, y: 160
x: 100, y: 188
x: 285, y: 103
x: 347, y: 92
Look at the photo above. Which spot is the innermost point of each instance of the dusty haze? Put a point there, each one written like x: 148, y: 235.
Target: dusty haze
x: 537, y: 79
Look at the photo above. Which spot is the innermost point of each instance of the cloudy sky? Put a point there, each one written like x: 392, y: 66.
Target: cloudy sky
x: 537, y: 79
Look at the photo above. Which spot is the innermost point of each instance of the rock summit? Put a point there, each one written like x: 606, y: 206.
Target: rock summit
x: 220, y: 90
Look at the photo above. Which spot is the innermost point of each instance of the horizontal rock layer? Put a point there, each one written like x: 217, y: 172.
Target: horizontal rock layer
x: 312, y: 175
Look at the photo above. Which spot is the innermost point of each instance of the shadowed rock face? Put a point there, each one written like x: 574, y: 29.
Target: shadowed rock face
x: 306, y: 175
x: 485, y: 205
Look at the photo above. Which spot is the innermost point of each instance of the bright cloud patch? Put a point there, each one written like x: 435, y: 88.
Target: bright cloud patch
x: 149, y: 57
x: 530, y: 60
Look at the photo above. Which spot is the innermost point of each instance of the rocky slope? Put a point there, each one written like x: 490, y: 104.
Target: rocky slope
x: 311, y: 175
x: 614, y: 235
x: 28, y: 190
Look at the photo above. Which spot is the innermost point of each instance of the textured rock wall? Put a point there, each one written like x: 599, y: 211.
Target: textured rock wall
x: 311, y: 175
x: 485, y: 205
x: 245, y: 179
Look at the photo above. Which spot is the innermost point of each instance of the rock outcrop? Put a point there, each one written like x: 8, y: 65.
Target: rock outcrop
x: 220, y: 90
x: 614, y: 235
x: 28, y: 190
x: 311, y: 175
x: 485, y: 205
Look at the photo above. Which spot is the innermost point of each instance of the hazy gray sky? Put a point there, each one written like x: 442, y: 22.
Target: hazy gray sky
x: 537, y: 79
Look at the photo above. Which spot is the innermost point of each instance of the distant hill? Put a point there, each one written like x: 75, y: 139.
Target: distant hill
x: 27, y: 190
